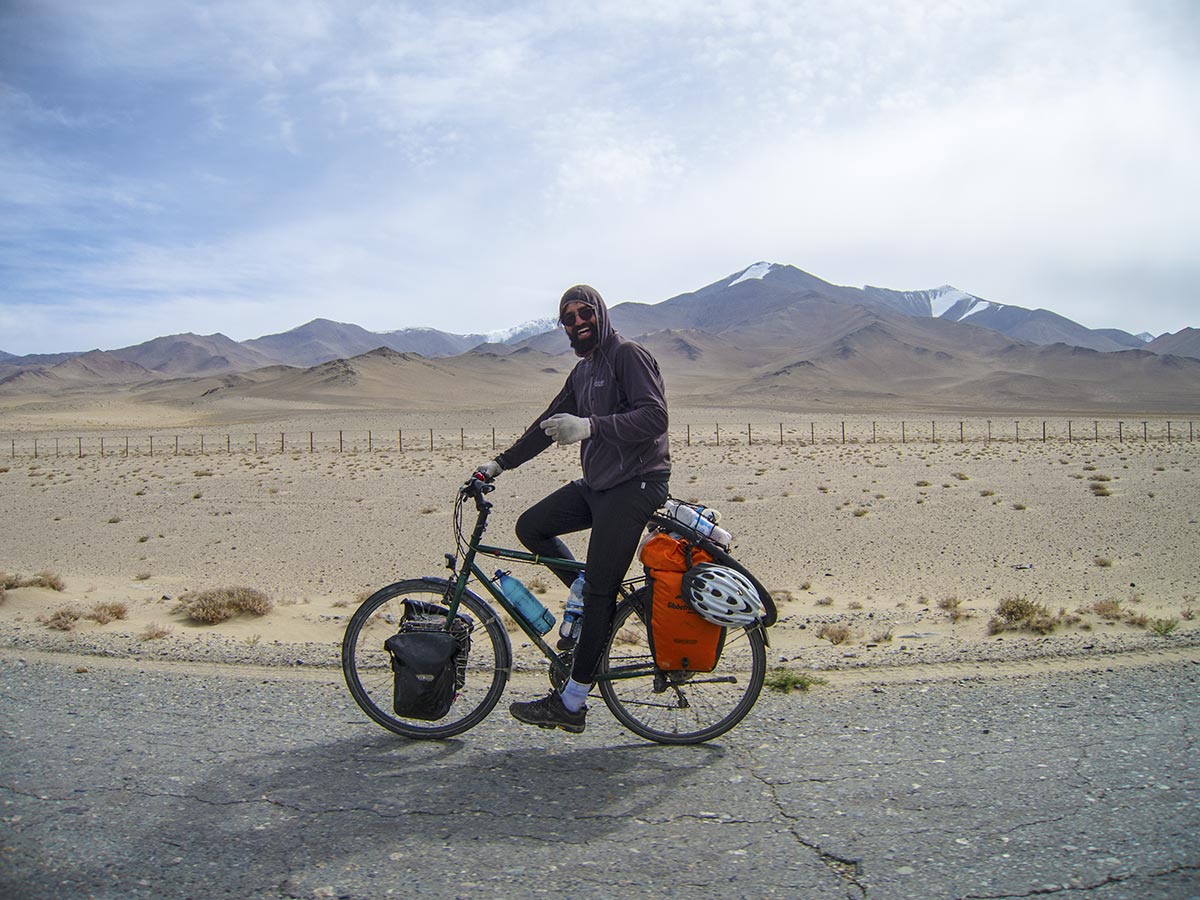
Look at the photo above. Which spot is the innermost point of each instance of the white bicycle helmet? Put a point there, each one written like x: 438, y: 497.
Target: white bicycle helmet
x: 722, y: 595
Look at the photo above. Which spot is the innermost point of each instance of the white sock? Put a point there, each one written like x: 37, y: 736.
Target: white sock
x: 574, y: 695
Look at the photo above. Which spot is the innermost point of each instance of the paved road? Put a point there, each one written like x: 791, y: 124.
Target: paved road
x: 168, y: 783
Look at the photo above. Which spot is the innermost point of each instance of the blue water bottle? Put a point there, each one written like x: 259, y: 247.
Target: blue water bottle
x: 527, y: 605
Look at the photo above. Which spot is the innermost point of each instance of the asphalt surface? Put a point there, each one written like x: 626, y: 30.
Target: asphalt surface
x: 168, y: 782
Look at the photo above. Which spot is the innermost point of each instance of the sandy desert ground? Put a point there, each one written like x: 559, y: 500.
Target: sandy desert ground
x: 913, y: 547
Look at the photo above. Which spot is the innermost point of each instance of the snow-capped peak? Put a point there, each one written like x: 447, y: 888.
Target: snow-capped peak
x: 524, y: 330
x: 758, y: 270
x: 944, y: 297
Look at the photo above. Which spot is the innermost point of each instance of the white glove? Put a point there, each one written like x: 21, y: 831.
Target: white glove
x: 489, y: 470
x: 567, y: 429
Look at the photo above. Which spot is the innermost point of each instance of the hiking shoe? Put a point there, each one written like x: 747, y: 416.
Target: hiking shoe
x: 549, y: 712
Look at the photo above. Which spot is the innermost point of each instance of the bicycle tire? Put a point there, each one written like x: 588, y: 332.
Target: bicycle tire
x: 673, y: 707
x: 366, y: 665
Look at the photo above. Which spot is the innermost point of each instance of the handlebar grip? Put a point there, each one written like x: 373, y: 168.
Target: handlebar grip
x: 478, y: 484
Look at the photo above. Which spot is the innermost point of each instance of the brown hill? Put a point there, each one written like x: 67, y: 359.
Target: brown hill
x: 385, y: 379
x: 1185, y: 342
x: 193, y: 354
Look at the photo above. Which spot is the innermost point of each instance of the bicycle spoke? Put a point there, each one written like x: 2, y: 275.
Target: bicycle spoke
x: 674, y: 707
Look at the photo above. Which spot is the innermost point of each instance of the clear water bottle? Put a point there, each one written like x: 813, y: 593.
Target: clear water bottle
x: 573, y: 614
x: 700, y: 519
x: 528, y: 606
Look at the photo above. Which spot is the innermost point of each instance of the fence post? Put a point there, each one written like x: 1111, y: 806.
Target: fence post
x: 256, y: 443
x: 1043, y: 431
x: 843, y: 431
x: 201, y: 443
x: 370, y: 443
x: 903, y: 436
x: 461, y: 439
x: 962, y: 438
x: 430, y: 438
x: 310, y: 442
x: 1168, y: 435
x: 228, y: 444
x: 281, y: 444
x: 1069, y: 431
x: 780, y: 434
x: 1120, y: 432
x: 493, y: 437
x: 989, y: 421
x: 126, y: 445
x: 1017, y: 431
x: 933, y: 430
x: 1095, y: 429
x: 689, y: 435
x: 873, y: 435
x: 1144, y: 438
x: 102, y: 442
x: 812, y: 432
x: 718, y: 434
x: 14, y: 449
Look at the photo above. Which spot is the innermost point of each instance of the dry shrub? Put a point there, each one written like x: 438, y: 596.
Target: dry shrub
x: 154, y: 631
x: 837, y: 633
x: 1019, y: 614
x: 62, y: 619
x: 218, y: 604
x: 1136, y: 619
x: 953, y: 609
x: 103, y: 613
x: 1109, y: 610
x: 3, y: 593
x: 43, y: 579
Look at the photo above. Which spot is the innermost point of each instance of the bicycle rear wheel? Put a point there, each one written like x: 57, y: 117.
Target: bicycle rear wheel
x: 366, y: 665
x: 678, y: 707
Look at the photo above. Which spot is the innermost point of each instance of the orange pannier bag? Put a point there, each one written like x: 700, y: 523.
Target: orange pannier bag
x: 680, y: 637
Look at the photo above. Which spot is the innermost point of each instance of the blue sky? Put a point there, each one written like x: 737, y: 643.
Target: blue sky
x: 245, y: 166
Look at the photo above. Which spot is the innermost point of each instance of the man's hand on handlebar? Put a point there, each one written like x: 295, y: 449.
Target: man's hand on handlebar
x: 488, y: 471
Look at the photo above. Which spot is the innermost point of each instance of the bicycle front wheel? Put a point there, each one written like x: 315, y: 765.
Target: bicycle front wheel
x: 368, y: 670
x: 678, y: 707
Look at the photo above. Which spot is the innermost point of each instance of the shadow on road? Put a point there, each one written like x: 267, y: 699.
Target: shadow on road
x: 354, y: 807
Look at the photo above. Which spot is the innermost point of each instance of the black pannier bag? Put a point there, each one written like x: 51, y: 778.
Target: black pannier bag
x: 429, y: 664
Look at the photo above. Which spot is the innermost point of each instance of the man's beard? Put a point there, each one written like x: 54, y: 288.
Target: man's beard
x: 585, y: 346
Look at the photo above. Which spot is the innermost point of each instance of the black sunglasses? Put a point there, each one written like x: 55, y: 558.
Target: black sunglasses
x: 586, y: 314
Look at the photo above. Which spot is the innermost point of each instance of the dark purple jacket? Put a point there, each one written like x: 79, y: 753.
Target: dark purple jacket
x: 620, y: 391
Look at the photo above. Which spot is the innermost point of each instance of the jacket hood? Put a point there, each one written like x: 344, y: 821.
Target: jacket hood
x: 583, y: 293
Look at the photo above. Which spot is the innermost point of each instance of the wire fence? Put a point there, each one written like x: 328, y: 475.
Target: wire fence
x: 827, y: 431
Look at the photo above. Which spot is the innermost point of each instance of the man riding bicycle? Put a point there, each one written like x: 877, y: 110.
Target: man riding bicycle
x: 613, y: 403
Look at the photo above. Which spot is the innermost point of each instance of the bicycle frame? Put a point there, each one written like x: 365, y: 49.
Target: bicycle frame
x: 470, y: 568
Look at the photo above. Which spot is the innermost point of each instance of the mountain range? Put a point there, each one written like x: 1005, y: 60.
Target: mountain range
x: 768, y: 334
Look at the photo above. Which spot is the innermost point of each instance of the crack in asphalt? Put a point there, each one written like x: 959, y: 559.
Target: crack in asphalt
x: 1050, y: 891
x: 845, y: 868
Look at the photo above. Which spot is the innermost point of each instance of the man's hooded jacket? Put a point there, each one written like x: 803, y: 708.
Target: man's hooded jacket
x: 619, y: 390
